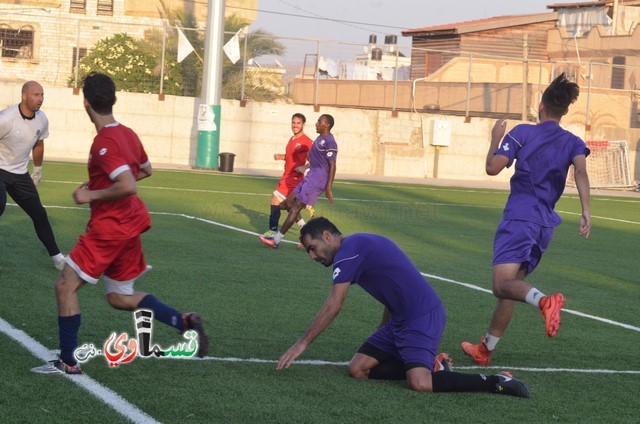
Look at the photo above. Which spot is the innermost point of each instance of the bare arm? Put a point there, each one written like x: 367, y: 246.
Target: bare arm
x: 332, y: 174
x: 496, y: 163
x: 38, y: 153
x: 124, y: 185
x: 323, y: 318
x: 582, y: 183
x: 144, y: 172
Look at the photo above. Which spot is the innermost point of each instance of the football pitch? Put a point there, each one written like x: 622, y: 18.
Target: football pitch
x: 256, y: 302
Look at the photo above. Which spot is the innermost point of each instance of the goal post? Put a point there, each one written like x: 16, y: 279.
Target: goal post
x: 607, y: 165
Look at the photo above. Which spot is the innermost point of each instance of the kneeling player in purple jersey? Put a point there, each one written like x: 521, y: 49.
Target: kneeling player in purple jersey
x: 406, y: 343
x: 543, y: 154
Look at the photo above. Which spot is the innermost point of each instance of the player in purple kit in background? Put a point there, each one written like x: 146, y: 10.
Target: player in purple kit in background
x: 405, y: 344
x: 322, y: 162
x: 543, y: 154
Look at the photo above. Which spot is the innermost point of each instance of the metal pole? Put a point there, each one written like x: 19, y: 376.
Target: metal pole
x: 75, y: 82
x: 164, y: 43
x: 315, y: 94
x: 466, y: 113
x: 586, y: 123
x: 395, y: 82
x: 209, y: 109
x: 525, y: 78
x: 539, y: 90
x: 244, y: 65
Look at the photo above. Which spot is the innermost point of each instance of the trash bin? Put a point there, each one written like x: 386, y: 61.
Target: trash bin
x: 226, y: 161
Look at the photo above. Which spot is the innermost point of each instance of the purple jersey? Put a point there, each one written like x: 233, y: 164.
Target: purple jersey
x: 323, y: 150
x: 384, y: 271
x: 544, y: 153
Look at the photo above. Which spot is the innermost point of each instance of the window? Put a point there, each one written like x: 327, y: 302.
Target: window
x: 617, y: 72
x: 17, y: 43
x: 105, y: 7
x: 79, y: 53
x: 78, y: 6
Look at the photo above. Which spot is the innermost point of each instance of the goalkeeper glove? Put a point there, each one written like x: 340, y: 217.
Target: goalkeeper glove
x: 36, y: 175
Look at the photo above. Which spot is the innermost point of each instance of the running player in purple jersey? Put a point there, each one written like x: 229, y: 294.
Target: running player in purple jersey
x: 543, y: 154
x: 406, y: 343
x: 322, y: 162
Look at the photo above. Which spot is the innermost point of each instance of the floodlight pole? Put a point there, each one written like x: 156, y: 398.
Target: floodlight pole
x: 209, y: 109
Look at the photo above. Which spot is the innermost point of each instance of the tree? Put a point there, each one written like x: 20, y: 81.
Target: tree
x: 135, y: 64
x: 130, y: 62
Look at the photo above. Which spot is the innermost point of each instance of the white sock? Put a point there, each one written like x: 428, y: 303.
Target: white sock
x: 277, y: 238
x: 491, y: 341
x: 533, y: 297
x: 59, y: 256
x: 300, y: 223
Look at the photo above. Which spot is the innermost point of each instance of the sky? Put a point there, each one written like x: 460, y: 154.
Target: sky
x: 352, y: 21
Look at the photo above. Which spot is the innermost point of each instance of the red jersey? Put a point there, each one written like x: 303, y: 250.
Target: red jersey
x: 116, y: 149
x: 296, y: 155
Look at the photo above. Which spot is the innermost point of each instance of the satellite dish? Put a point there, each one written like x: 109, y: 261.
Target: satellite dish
x: 278, y: 63
x: 366, y: 49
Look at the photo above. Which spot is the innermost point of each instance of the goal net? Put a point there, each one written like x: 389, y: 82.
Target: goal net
x: 607, y: 165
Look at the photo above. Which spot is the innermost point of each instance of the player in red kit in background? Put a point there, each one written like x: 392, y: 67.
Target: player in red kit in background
x: 295, y: 160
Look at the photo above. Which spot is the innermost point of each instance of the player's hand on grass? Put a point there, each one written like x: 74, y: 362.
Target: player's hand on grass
x: 291, y: 355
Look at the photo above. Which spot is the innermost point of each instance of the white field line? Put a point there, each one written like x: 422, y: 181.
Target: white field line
x: 468, y: 285
x: 106, y: 395
x: 317, y: 362
x: 500, y: 367
x: 432, y: 276
x: 569, y: 311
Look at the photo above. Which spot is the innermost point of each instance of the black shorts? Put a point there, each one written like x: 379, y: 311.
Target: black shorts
x: 19, y: 186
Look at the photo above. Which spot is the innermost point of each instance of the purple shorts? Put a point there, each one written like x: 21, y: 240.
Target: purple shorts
x: 520, y: 242
x: 414, y: 342
x: 307, y: 193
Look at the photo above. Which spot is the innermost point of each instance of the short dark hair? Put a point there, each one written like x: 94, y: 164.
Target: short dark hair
x: 299, y: 115
x: 559, y: 95
x: 100, y: 92
x: 329, y: 119
x: 316, y: 226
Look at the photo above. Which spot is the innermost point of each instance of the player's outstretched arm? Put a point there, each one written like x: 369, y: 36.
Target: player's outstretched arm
x: 323, y: 318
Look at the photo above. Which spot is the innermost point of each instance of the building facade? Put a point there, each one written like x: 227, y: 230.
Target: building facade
x: 43, y: 39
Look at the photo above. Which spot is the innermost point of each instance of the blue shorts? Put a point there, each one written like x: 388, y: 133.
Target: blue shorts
x: 414, y: 342
x: 520, y: 242
x: 307, y: 192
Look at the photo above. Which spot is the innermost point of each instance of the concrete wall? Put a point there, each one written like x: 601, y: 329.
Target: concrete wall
x: 371, y: 142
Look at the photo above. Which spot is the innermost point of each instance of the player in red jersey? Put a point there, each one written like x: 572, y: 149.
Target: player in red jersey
x: 111, y: 246
x: 295, y: 160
